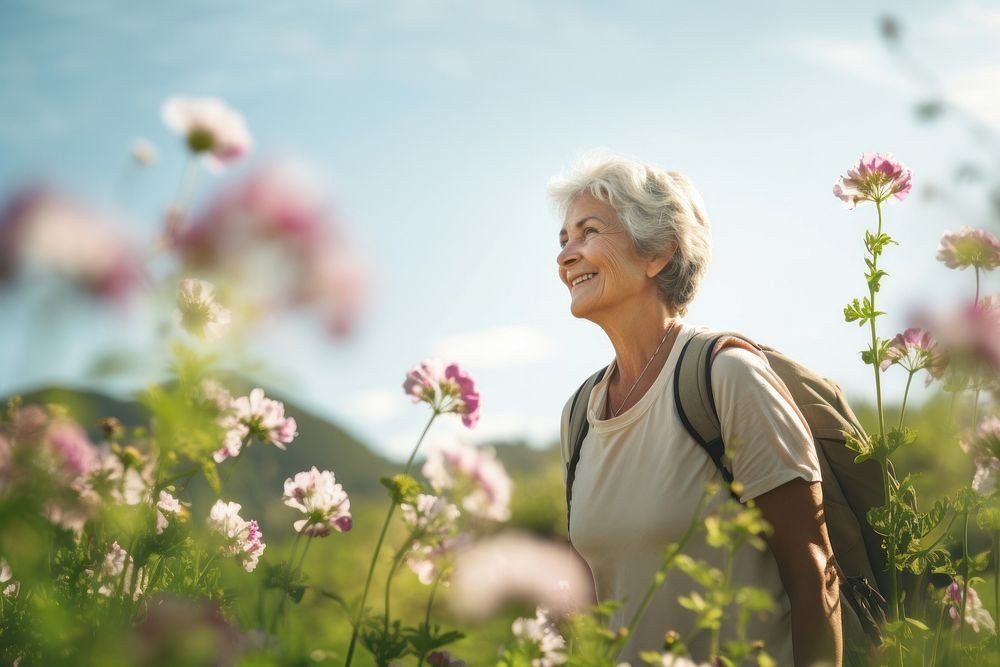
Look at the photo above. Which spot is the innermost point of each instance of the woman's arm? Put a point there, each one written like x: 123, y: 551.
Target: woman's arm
x: 808, y: 570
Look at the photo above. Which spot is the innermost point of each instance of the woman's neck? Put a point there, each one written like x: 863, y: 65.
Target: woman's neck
x: 636, y: 338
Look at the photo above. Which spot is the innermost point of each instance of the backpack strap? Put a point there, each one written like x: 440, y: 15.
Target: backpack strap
x: 578, y: 427
x: 693, y: 394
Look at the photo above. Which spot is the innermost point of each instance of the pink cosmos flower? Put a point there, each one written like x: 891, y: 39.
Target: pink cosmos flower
x: 257, y: 416
x: 445, y: 387
x: 976, y: 617
x: 542, y: 637
x: 210, y: 128
x: 875, y: 178
x: 443, y: 659
x: 969, y: 247
x: 242, y: 538
x: 473, y: 475
x: 198, y: 311
x: 915, y: 349
x: 509, y: 567
x: 279, y: 218
x: 324, y: 501
x: 45, y: 231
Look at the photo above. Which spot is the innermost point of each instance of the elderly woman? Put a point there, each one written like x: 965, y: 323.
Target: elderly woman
x: 635, y: 244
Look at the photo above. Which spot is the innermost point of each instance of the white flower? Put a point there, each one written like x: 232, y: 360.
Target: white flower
x: 116, y: 570
x: 255, y: 415
x: 473, y: 474
x: 198, y: 311
x: 167, y: 504
x: 987, y: 472
x: 541, y: 634
x: 210, y: 127
x: 318, y: 495
x: 143, y: 152
x: 14, y: 587
x: 243, y: 538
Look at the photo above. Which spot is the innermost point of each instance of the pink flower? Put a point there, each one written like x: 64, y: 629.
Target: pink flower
x: 74, y: 453
x: 986, y: 440
x: 443, y: 659
x: 198, y: 311
x: 875, y: 178
x: 166, y: 505
x: 242, y: 538
x: 969, y: 247
x: 976, y: 617
x: 446, y: 388
x: 473, y: 475
x: 258, y: 416
x: 325, y: 503
x: 278, y: 216
x: 915, y: 349
x: 511, y: 567
x: 972, y: 334
x: 210, y: 128
x: 41, y: 230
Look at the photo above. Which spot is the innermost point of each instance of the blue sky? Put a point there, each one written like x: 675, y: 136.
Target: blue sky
x: 438, y: 126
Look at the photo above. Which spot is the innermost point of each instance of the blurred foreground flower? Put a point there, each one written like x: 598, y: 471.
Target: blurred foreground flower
x: 198, y: 311
x: 443, y: 659
x: 273, y: 239
x: 874, y: 179
x: 976, y: 617
x: 539, y: 638
x: 45, y: 231
x: 446, y: 388
x: 512, y: 567
x: 210, y: 128
x: 971, y: 337
x: 969, y: 247
x: 8, y: 589
x: 324, y: 502
x: 255, y: 416
x: 143, y: 153
x: 473, y: 475
x: 176, y: 631
x: 243, y: 538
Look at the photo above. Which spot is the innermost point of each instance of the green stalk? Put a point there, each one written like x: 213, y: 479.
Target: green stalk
x: 893, y: 585
x: 996, y: 582
x: 378, y: 547
x: 906, y: 394
x: 713, y: 645
x: 937, y: 637
x: 965, y: 576
x: 427, y: 615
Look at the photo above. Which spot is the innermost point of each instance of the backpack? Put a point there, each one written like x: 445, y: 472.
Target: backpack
x: 849, y: 489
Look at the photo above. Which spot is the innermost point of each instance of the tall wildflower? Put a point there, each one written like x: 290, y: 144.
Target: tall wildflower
x: 447, y: 388
x: 970, y: 247
x: 874, y: 179
x: 474, y: 475
x: 210, y: 128
x: 242, y: 539
x: 199, y: 312
x: 324, y: 502
x: 256, y: 416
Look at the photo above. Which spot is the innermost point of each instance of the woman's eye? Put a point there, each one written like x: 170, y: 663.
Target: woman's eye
x: 587, y: 230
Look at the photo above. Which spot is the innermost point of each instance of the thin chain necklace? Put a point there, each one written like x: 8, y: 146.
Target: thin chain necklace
x: 614, y: 413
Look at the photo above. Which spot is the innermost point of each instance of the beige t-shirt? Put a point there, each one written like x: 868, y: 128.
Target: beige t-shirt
x: 641, y: 476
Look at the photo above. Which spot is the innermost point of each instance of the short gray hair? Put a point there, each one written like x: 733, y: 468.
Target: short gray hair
x: 657, y: 208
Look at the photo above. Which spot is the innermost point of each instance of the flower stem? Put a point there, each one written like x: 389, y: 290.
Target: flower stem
x: 427, y: 615
x: 976, y: 302
x: 906, y: 393
x: 378, y: 548
x: 965, y: 576
x: 937, y: 637
x: 996, y: 581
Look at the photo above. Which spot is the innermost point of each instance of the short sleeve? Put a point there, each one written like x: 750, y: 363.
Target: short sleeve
x: 768, y: 441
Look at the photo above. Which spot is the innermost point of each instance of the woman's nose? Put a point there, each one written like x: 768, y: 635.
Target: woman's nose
x: 567, y: 255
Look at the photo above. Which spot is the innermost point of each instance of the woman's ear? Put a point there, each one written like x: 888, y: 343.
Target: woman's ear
x: 659, y: 262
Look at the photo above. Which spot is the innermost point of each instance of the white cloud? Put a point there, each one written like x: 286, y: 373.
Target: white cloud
x: 495, y: 348
x: 376, y: 405
x: 858, y: 60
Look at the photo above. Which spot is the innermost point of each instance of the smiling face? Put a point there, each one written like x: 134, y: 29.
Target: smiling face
x: 599, y: 263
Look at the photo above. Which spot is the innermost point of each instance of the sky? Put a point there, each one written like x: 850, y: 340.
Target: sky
x: 437, y: 125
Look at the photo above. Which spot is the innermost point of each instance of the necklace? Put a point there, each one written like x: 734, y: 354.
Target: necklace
x: 614, y: 413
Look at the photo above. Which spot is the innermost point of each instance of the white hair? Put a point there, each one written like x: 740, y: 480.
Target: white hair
x: 658, y: 208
